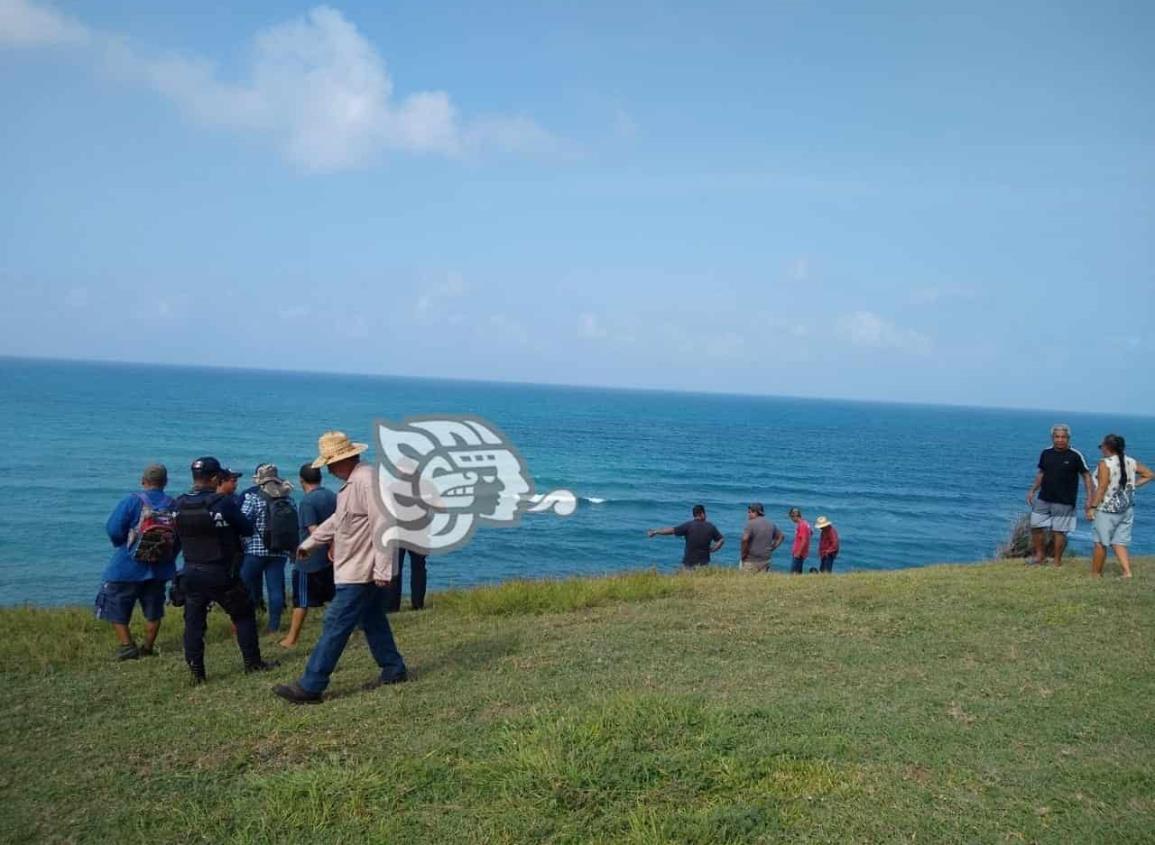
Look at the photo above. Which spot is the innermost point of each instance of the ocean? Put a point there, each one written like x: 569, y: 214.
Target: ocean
x: 906, y: 485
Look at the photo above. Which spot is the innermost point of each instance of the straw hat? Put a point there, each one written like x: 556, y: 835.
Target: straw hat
x: 335, y: 446
x: 822, y: 522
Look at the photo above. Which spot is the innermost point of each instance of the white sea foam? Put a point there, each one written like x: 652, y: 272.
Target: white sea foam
x: 594, y: 500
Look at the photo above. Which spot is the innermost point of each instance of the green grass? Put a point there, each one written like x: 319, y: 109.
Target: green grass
x: 983, y: 703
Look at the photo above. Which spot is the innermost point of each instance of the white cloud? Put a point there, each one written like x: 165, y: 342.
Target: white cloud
x: 24, y: 24
x: 431, y: 306
x: 869, y: 330
x: 590, y: 327
x: 931, y: 294
x: 318, y: 89
x: 77, y: 297
x: 292, y: 312
x: 624, y: 124
x: 503, y: 327
x: 725, y: 345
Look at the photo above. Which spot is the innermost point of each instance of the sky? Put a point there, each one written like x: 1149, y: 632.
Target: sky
x: 924, y: 202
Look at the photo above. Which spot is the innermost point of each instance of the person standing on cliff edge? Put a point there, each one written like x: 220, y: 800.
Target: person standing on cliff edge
x: 1057, y: 486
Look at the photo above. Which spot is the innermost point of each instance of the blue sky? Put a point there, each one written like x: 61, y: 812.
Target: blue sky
x: 896, y: 201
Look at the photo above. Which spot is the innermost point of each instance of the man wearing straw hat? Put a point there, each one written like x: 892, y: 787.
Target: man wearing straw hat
x: 361, y: 572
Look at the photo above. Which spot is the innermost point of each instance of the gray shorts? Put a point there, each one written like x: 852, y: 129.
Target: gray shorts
x: 1113, y: 529
x: 1052, y: 515
x: 754, y: 566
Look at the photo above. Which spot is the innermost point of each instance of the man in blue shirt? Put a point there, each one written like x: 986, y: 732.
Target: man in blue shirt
x: 127, y: 580
x: 207, y: 524
x: 313, y: 576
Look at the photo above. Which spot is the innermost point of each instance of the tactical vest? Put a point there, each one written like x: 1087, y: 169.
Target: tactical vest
x: 201, y: 538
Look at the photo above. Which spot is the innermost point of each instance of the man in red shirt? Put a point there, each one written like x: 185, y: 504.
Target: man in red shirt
x: 828, y: 544
x: 801, y: 549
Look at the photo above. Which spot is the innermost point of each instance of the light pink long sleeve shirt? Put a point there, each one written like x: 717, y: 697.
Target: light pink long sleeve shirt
x: 352, y: 529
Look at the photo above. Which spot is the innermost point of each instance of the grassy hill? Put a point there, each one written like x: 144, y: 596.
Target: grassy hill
x: 989, y: 703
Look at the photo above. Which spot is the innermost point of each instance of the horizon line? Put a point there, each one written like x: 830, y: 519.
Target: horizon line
x: 568, y: 385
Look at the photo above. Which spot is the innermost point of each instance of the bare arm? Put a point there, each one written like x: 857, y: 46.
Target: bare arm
x: 1145, y: 475
x: 661, y: 532
x: 778, y: 538
x: 744, y: 550
x: 319, y: 535
x: 1104, y: 477
x: 1087, y: 489
x: 717, y: 545
x: 1035, y: 488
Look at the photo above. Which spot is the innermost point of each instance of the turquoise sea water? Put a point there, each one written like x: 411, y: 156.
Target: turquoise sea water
x: 906, y: 485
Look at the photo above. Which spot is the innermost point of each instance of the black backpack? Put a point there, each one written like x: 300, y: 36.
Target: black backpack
x: 282, y: 527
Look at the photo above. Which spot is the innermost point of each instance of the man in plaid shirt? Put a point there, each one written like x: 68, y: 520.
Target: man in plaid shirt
x: 259, y: 562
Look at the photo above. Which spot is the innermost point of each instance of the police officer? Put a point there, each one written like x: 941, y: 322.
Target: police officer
x: 208, y: 525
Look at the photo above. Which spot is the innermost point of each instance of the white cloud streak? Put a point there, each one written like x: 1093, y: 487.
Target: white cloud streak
x: 314, y: 86
x: 868, y: 330
x: 24, y: 24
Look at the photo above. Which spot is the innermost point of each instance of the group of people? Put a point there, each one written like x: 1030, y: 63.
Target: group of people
x: 1110, y: 499
x: 760, y: 538
x: 231, y: 542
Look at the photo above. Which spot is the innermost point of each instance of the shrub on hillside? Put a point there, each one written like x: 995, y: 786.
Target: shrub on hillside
x: 1018, y: 543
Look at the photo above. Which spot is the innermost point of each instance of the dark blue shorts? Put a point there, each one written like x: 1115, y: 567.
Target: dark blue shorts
x: 313, y: 589
x: 116, y: 599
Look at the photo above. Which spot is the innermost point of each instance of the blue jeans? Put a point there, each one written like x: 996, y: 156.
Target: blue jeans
x: 827, y: 563
x: 273, y: 569
x: 353, y: 605
x: 796, y: 564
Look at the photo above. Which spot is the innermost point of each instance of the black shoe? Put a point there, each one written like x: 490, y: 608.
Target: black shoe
x: 127, y: 652
x: 377, y: 683
x: 296, y: 694
x: 263, y: 666
x: 147, y: 651
x: 198, y: 677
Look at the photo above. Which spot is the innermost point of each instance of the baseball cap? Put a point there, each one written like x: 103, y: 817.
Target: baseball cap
x: 230, y: 473
x: 206, y: 466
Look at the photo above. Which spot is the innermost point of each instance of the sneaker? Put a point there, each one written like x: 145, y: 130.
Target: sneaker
x: 263, y: 666
x: 127, y: 652
x: 296, y: 694
x: 147, y: 651
x: 377, y: 683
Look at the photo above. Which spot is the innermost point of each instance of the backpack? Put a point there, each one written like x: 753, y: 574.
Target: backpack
x: 282, y: 527
x: 153, y: 540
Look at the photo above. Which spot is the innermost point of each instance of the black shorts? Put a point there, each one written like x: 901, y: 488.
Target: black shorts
x: 313, y: 589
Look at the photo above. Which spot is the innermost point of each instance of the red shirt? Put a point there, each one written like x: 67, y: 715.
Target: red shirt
x: 827, y: 542
x: 802, y: 532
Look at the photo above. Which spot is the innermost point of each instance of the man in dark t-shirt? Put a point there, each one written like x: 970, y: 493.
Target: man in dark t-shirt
x: 1057, y: 485
x: 702, y: 538
x: 312, y: 576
